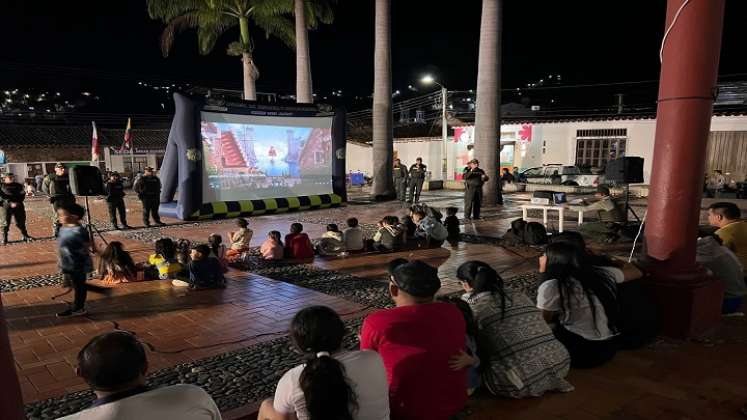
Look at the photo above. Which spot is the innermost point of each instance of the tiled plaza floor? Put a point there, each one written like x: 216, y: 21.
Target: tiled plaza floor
x: 670, y: 380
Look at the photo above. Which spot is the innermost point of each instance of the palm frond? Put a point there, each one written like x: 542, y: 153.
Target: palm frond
x: 319, y: 11
x: 270, y: 7
x: 278, y: 26
x: 175, y: 26
x: 167, y: 10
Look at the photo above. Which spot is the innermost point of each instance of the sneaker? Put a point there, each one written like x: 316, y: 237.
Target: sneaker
x: 127, y: 227
x: 28, y: 239
x: 159, y: 223
x: 70, y: 312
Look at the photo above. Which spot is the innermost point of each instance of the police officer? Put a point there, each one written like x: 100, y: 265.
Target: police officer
x: 417, y: 177
x: 400, y: 179
x: 148, y: 189
x: 57, y: 187
x: 474, y: 178
x: 115, y: 200
x: 12, y: 195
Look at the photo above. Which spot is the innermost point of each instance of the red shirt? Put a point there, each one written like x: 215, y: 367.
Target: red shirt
x: 298, y: 245
x: 416, y: 343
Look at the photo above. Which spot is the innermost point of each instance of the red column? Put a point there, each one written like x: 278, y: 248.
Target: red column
x: 690, y: 303
x: 11, y: 403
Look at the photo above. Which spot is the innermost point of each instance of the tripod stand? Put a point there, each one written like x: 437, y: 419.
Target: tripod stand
x: 627, y: 204
x: 92, y: 228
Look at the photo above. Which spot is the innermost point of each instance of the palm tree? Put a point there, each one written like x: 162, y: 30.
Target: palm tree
x: 383, y: 142
x: 488, y: 102
x: 212, y: 18
x: 309, y: 13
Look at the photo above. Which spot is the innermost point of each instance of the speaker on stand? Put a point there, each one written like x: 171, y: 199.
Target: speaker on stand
x: 87, y: 181
x: 626, y: 170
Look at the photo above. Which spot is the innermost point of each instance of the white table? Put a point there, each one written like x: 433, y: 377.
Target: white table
x: 560, y: 209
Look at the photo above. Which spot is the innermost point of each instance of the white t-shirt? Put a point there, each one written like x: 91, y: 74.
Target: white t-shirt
x: 366, y: 375
x: 176, y: 402
x: 353, y: 238
x: 579, y: 319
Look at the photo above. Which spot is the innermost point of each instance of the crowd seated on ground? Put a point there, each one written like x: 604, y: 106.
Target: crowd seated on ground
x: 114, y: 365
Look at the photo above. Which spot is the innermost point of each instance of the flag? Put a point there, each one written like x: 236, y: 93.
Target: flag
x: 95, y: 152
x: 127, y: 137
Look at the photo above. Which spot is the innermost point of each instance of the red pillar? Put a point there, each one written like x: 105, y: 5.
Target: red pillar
x: 11, y: 402
x: 690, y: 303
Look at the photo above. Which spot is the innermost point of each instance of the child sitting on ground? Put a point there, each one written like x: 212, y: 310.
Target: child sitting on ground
x: 240, y: 240
x: 272, y: 247
x: 164, y: 261
x: 451, y: 223
x: 331, y: 242
x: 297, y: 244
x: 218, y: 250
x: 390, y: 235
x: 466, y: 358
x: 116, y: 265
x: 205, y: 271
x: 430, y: 233
x: 183, y: 248
x: 353, y: 236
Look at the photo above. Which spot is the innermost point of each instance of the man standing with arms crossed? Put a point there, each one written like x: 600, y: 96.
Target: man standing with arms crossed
x: 12, y: 195
x: 57, y: 187
x: 400, y: 179
x: 148, y: 189
x: 474, y: 178
x: 417, y: 176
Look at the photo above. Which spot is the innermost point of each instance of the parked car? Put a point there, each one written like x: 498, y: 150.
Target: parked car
x: 560, y: 175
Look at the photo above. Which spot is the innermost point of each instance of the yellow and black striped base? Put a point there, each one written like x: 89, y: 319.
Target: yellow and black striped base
x: 230, y: 209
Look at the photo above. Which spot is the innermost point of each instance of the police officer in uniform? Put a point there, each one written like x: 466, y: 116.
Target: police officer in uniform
x: 12, y: 195
x: 57, y: 187
x: 148, y: 189
x: 400, y: 179
x: 474, y: 178
x: 417, y: 176
x: 115, y: 200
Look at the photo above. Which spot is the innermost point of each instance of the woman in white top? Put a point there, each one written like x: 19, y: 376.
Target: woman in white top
x: 330, y: 385
x: 583, y: 299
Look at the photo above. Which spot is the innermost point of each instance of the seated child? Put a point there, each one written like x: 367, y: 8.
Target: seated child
x: 116, y: 265
x: 272, y: 247
x: 452, y: 223
x: 353, y: 236
x: 205, y: 271
x: 218, y: 250
x: 164, y: 260
x: 297, y: 244
x: 331, y: 243
x: 468, y: 358
x: 430, y: 230
x: 390, y: 235
x: 240, y: 240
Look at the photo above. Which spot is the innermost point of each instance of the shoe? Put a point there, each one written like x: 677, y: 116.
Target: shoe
x: 127, y: 226
x: 70, y: 312
x: 159, y: 223
x: 476, y: 218
x: 27, y: 238
x: 116, y: 227
x: 146, y: 225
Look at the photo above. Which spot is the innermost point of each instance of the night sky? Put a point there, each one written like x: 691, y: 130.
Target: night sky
x: 118, y: 45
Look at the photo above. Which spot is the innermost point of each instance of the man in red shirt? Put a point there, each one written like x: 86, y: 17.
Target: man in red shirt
x: 416, y: 340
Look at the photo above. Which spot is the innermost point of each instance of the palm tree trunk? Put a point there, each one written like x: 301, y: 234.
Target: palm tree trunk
x: 250, y: 77
x: 303, y: 60
x: 488, y: 103
x: 383, y: 142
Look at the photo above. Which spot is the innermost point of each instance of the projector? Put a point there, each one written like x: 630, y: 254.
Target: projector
x: 540, y: 201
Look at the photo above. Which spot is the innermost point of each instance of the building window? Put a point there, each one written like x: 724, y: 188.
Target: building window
x: 140, y: 163
x: 596, y: 147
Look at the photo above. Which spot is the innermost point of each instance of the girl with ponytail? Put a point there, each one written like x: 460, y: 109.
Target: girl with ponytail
x: 332, y: 384
x: 519, y: 355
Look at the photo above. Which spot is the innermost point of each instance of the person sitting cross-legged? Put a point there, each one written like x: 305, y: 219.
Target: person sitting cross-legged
x: 331, y: 384
x: 390, y: 236
x: 353, y: 236
x: 330, y: 244
x: 582, y: 299
x: 430, y: 232
x: 417, y: 339
x: 205, y: 271
x: 297, y: 243
x: 522, y: 358
x: 114, y: 365
x: 240, y: 240
x: 272, y: 247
